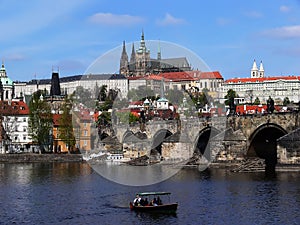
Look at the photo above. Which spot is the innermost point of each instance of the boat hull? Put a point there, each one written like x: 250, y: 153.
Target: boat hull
x: 166, y: 208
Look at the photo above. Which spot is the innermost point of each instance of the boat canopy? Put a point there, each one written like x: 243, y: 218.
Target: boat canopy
x: 153, y: 193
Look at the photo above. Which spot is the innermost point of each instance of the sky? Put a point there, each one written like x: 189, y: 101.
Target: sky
x: 40, y: 36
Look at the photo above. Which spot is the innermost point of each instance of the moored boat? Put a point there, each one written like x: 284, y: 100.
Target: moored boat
x: 153, y: 206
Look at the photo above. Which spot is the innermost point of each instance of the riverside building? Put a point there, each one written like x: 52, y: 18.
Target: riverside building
x: 261, y: 86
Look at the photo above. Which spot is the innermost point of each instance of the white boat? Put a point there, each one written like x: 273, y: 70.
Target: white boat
x: 116, y: 158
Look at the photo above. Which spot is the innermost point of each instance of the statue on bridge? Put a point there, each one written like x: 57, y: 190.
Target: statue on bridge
x: 270, y: 105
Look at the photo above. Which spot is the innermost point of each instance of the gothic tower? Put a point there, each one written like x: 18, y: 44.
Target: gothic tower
x: 142, y: 57
x: 124, y: 61
x: 132, y: 61
x: 158, y: 52
x: 55, y: 85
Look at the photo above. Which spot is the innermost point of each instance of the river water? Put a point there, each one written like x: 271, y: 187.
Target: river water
x: 73, y: 193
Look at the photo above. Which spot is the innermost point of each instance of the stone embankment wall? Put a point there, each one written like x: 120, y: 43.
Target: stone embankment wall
x: 21, y: 158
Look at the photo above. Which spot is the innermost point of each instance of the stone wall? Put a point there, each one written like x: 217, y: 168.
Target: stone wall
x: 21, y: 158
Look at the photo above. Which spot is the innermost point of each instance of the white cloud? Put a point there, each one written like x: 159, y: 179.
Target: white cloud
x: 284, y: 9
x: 114, y: 19
x: 283, y: 32
x: 170, y: 20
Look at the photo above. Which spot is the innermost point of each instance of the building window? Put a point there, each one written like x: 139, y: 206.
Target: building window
x: 85, y: 143
x: 85, y: 133
x: 24, y: 138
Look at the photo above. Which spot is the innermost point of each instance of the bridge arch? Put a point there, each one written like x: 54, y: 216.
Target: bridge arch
x: 126, y: 135
x: 202, y: 140
x: 263, y: 143
x: 158, y: 139
x: 103, y: 135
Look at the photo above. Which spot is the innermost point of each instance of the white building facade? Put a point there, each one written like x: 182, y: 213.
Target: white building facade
x: 258, y: 85
x: 15, y: 127
x: 69, y: 84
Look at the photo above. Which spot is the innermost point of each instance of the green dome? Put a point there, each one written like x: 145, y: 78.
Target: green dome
x: 6, y: 81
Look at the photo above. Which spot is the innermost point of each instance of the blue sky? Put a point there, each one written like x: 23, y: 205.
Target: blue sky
x: 37, y: 36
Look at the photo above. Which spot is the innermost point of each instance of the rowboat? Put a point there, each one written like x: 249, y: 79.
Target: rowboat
x: 154, y: 207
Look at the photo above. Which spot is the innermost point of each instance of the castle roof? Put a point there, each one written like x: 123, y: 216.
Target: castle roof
x: 14, y: 108
x: 262, y: 79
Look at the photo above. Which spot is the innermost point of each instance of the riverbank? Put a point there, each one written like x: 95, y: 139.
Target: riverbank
x: 31, y: 157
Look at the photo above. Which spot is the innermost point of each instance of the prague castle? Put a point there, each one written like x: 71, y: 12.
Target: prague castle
x: 141, y: 63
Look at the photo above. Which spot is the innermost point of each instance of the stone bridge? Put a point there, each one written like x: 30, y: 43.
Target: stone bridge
x: 218, y: 138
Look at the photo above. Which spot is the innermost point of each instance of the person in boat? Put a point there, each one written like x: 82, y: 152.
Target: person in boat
x: 137, y: 200
x: 158, y: 201
x: 153, y: 202
x: 146, y: 203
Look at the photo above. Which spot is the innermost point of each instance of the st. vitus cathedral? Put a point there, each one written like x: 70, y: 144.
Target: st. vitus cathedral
x: 140, y: 63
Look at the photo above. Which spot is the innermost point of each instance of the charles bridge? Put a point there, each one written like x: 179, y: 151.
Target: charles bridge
x: 272, y: 137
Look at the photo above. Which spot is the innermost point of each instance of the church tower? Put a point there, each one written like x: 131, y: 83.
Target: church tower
x: 7, y: 92
x: 124, y: 61
x: 254, y: 70
x: 261, y: 70
x: 142, y: 57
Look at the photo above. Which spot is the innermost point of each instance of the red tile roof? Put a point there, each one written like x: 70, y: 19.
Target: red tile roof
x: 13, y: 108
x: 185, y: 76
x: 56, y: 118
x: 210, y: 75
x: 262, y: 79
x: 83, y: 115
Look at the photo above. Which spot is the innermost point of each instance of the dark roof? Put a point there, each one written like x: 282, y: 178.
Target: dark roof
x: 79, y: 77
x: 175, y: 62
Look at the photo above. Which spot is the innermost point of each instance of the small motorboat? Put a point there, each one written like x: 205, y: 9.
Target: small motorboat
x: 156, y: 205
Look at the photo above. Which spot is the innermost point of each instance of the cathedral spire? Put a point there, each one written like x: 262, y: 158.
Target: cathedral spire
x: 124, y: 60
x: 132, y: 57
x: 142, y: 38
x: 158, y: 52
x: 142, y: 47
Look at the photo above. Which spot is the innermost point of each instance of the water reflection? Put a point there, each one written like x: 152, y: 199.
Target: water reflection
x: 72, y: 193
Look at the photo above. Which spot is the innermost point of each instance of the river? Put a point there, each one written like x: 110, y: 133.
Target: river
x: 73, y: 193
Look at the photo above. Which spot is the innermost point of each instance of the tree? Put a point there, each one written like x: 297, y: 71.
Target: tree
x: 140, y: 93
x: 84, y: 96
x: 270, y: 105
x: 286, y: 101
x: 256, y: 101
x: 231, y: 94
x: 40, y: 120
x: 174, y: 96
x: 102, y: 95
x: 65, y: 129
